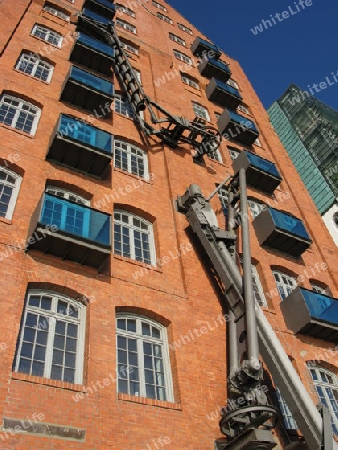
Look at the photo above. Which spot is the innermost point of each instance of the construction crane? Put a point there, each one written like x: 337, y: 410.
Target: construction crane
x: 250, y: 425
x: 170, y: 129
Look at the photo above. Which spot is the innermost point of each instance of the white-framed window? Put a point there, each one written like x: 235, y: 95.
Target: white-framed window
x: 215, y: 155
x: 255, y: 207
x: 131, y: 159
x: 125, y: 10
x: 243, y: 109
x: 200, y: 111
x: 320, y: 289
x: 159, y: 6
x: 129, y: 48
x: 326, y: 384
x: 47, y: 35
x: 35, y: 67
x: 184, y: 28
x: 19, y: 114
x: 56, y: 12
x: 133, y: 237
x: 289, y: 421
x: 233, y: 152
x: 51, y: 340
x: 67, y: 195
x: 223, y: 197
x: 164, y: 18
x: 125, y: 25
x: 285, y: 283
x: 143, y: 365
x: 177, y: 39
x: 122, y: 106
x: 189, y: 81
x: 232, y: 83
x: 182, y: 57
x: 9, y: 190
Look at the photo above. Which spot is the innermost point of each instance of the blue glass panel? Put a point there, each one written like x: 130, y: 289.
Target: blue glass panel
x: 289, y: 223
x: 243, y: 121
x: 263, y: 164
x: 88, y: 79
x: 321, y: 306
x: 228, y: 88
x: 219, y: 64
x: 107, y: 4
x: 95, y: 44
x: 76, y: 219
x: 97, y: 17
x: 79, y: 131
x: 209, y: 45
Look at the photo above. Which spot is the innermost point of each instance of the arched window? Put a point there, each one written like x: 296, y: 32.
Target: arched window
x: 201, y: 111
x: 19, y: 114
x: 35, y: 67
x: 285, y: 283
x: 122, y: 106
x: 255, y: 207
x: 233, y: 152
x: 47, y: 35
x: 51, y: 339
x: 143, y: 367
x: 133, y: 237
x: 326, y: 384
x: 131, y: 159
x: 67, y: 195
x: 9, y: 189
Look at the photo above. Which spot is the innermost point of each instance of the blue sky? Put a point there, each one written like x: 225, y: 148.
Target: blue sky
x: 300, y: 49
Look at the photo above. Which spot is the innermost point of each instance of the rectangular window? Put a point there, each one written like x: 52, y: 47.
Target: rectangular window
x: 200, y: 111
x: 56, y: 12
x: 177, y: 39
x: 125, y: 10
x: 164, y: 18
x: 189, y: 81
x: 159, y: 6
x: 47, y: 35
x: 243, y: 109
x: 129, y: 48
x: 232, y: 83
x: 184, y: 28
x: 9, y: 190
x: 126, y: 26
x: 182, y: 57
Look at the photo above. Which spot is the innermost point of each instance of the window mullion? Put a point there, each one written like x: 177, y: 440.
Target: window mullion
x: 141, y: 367
x: 50, y: 345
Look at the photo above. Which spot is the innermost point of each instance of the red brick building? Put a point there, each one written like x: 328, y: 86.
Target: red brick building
x: 112, y: 333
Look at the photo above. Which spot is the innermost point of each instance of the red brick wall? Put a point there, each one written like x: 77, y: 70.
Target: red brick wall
x: 178, y: 294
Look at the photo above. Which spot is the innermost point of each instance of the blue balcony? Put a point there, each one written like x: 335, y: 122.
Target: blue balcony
x: 88, y: 92
x: 201, y: 47
x: 234, y: 126
x: 223, y: 94
x: 260, y: 173
x: 211, y: 68
x: 93, y: 54
x: 310, y: 313
x: 71, y: 231
x: 89, y: 14
x: 281, y: 231
x: 104, y: 8
x: 81, y: 147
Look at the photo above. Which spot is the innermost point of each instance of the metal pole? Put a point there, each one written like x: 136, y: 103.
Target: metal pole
x: 232, y: 334
x: 251, y: 328
x: 218, y: 188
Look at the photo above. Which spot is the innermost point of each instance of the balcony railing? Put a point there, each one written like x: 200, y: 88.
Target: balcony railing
x: 281, y: 231
x: 211, y: 68
x: 310, y: 313
x: 223, y: 94
x: 71, y: 231
x: 88, y: 92
x: 260, y: 173
x: 236, y: 127
x: 103, y: 7
x: 93, y: 54
x: 81, y: 146
x: 89, y: 14
x: 201, y: 47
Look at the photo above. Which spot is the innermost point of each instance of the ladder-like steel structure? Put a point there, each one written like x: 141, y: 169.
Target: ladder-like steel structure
x: 249, y: 332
